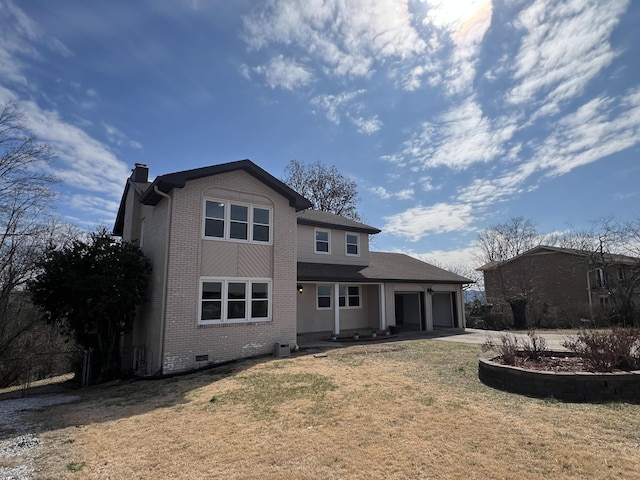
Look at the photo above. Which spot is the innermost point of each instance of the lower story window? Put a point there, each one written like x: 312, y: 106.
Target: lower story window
x: 324, y: 296
x: 234, y: 300
x: 349, y: 296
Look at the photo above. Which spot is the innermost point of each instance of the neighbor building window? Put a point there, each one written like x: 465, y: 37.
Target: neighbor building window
x: 322, y: 241
x: 235, y: 300
x: 604, y: 302
x: 237, y: 222
x: 349, y: 296
x: 353, y: 241
x: 324, y: 296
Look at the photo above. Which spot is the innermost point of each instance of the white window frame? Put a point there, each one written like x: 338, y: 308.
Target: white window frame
x: 248, y: 282
x: 346, y: 244
x: 315, y: 241
x: 226, y: 236
x: 330, y: 296
x: 347, y: 296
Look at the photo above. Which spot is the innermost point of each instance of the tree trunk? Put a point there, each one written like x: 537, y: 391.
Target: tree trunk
x: 519, y: 309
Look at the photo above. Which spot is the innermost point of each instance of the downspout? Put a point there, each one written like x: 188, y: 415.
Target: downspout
x: 165, y: 276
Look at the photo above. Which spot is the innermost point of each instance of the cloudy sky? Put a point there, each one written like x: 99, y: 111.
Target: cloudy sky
x: 450, y: 115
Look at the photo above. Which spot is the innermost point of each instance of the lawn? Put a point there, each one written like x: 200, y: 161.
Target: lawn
x: 398, y: 410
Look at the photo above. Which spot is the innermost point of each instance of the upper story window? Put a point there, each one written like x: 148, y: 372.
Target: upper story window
x: 236, y: 221
x: 352, y: 244
x: 323, y: 244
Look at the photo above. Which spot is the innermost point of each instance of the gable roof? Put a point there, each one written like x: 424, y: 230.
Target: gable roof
x: 317, y: 218
x: 542, y: 249
x: 383, y: 267
x: 166, y: 183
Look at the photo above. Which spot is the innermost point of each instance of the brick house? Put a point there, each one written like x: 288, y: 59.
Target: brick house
x: 560, y: 281
x: 240, y: 264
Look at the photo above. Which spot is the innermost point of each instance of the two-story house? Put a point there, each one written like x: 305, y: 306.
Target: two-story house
x: 240, y: 264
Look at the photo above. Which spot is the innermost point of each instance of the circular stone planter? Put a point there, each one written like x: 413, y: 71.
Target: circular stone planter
x: 565, y: 386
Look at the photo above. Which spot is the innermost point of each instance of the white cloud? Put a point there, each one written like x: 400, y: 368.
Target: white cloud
x: 564, y: 47
x: 458, y: 260
x: 285, y: 73
x: 94, y: 205
x: 86, y: 163
x: 117, y: 137
x: 597, y: 129
x: 419, y: 221
x: 459, y: 138
x: 346, y: 37
x: 335, y: 105
x: 384, y: 194
x: 367, y: 126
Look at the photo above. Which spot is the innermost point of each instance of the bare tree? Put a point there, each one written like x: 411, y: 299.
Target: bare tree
x: 325, y: 187
x: 506, y: 240
x: 25, y: 225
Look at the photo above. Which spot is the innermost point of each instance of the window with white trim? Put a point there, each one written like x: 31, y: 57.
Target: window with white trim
x: 352, y: 244
x: 234, y: 300
x: 237, y: 222
x: 323, y: 296
x: 323, y: 244
x: 349, y: 296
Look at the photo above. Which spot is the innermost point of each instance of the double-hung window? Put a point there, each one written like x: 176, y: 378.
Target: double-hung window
x: 323, y: 244
x: 237, y: 222
x: 349, y: 296
x: 232, y: 300
x: 352, y: 244
x: 324, y: 296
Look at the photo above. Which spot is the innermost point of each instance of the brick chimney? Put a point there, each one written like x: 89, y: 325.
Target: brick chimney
x: 140, y: 173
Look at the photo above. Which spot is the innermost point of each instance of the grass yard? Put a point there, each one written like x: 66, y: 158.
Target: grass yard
x: 398, y: 410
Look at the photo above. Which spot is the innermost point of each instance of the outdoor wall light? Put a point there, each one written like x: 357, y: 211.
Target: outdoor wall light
x: 429, y: 290
x: 299, y: 288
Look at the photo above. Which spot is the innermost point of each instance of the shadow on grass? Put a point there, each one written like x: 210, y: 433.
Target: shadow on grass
x: 115, y: 400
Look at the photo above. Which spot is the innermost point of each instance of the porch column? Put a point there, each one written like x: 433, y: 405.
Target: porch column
x: 336, y: 309
x: 383, y: 307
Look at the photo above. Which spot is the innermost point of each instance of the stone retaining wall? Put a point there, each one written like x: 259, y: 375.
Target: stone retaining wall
x: 570, y: 387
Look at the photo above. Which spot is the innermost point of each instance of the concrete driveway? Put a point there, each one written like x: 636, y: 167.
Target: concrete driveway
x: 476, y: 336
x: 469, y: 335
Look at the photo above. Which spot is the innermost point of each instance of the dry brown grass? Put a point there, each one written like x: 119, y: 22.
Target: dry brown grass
x: 399, y: 411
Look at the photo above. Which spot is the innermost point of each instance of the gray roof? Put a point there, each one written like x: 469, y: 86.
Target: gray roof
x: 540, y: 249
x: 317, y: 218
x: 166, y: 183
x: 383, y: 267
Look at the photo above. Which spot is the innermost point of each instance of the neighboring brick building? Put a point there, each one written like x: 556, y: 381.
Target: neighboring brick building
x: 559, y: 281
x: 241, y: 265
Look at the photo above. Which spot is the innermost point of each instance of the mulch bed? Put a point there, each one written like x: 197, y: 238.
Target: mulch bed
x: 549, y: 364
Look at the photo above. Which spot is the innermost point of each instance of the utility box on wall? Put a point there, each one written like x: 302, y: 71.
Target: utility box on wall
x: 282, y: 350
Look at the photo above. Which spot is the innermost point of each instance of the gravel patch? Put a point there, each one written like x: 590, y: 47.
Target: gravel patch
x: 18, y: 444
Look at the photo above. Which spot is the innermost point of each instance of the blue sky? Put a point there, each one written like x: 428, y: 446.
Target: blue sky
x: 449, y: 115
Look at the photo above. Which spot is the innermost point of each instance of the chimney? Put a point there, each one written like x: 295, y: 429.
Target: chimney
x: 140, y: 173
